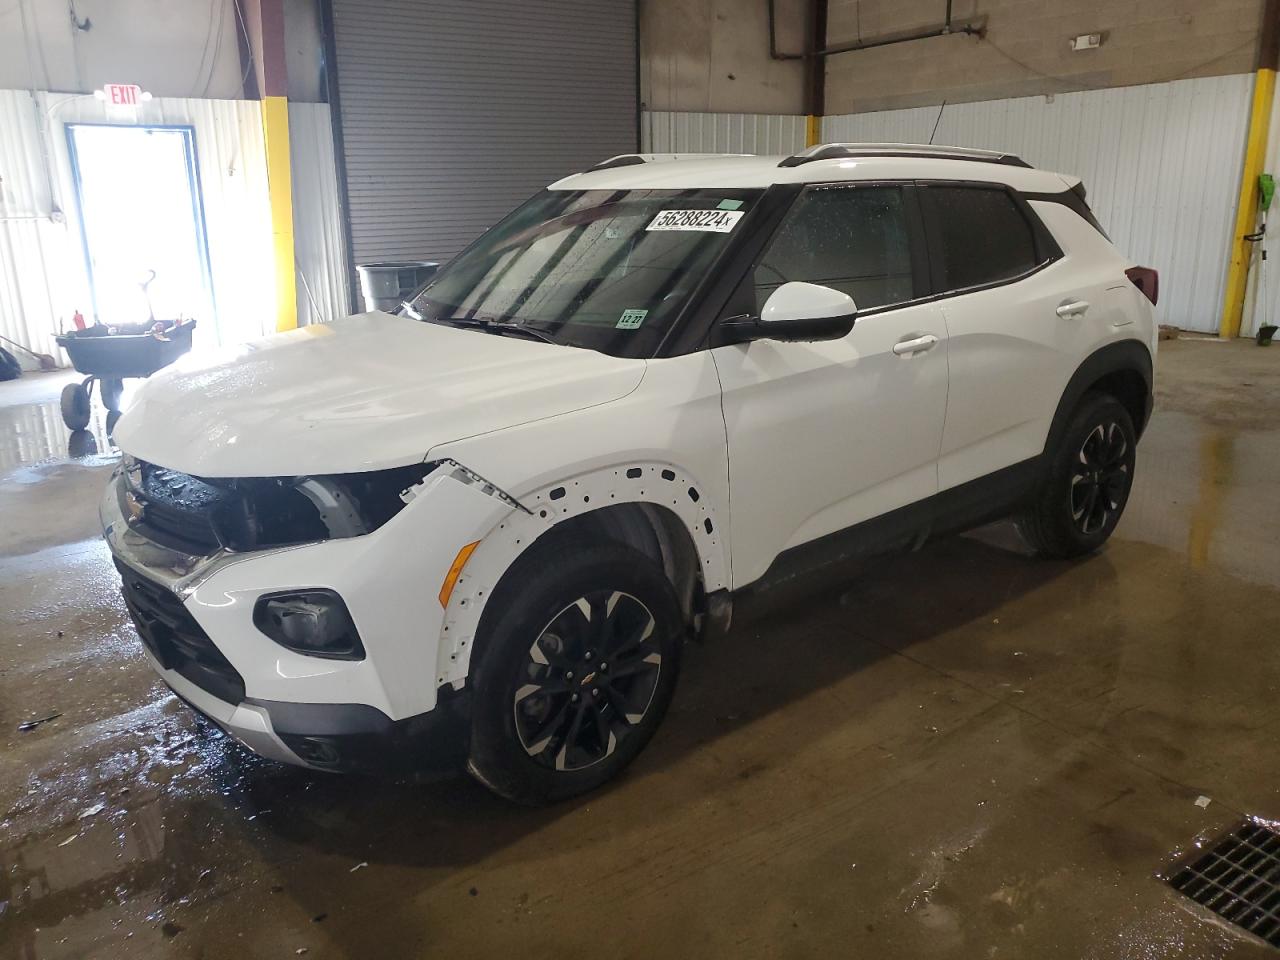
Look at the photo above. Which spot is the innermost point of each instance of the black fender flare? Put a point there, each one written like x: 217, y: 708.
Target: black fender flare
x: 1123, y: 356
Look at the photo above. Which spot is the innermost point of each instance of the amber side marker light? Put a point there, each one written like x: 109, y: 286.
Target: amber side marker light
x: 455, y: 569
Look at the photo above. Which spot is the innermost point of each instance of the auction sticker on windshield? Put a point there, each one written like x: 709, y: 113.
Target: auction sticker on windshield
x: 706, y: 221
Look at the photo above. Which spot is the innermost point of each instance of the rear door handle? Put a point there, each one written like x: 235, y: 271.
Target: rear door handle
x: 907, y: 348
x: 1072, y: 308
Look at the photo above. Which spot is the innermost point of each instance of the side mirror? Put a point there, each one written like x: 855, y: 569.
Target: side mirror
x: 797, y: 311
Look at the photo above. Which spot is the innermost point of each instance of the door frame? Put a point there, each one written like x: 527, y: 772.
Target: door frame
x: 917, y: 236
x: 197, y: 204
x: 704, y: 315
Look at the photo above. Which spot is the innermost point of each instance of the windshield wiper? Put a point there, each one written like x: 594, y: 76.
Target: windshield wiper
x: 505, y: 328
x: 501, y: 328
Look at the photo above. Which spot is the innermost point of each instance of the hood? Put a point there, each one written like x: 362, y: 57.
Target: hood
x: 363, y: 393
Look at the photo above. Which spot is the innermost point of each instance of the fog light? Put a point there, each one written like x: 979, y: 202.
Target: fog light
x: 317, y: 751
x: 311, y: 622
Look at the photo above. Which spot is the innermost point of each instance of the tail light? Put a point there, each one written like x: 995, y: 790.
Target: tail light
x: 1146, y: 280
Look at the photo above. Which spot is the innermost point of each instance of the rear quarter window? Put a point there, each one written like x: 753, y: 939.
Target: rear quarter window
x: 980, y: 236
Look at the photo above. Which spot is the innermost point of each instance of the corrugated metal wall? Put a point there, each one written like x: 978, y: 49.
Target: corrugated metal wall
x: 43, y: 277
x: 319, y: 242
x: 1161, y: 163
x: 454, y: 113
x: 759, y: 133
x: 34, y: 250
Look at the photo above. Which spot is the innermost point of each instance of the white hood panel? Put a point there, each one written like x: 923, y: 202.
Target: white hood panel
x: 363, y: 393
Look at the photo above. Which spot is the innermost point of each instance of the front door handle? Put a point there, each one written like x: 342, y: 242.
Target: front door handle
x: 1068, y: 309
x: 907, y: 348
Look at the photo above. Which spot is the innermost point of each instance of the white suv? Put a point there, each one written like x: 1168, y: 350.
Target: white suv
x: 481, y: 530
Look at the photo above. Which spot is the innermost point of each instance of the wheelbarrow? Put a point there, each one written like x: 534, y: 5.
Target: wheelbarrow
x: 133, y: 350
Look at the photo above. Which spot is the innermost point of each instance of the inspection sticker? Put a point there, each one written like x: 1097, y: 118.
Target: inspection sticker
x: 706, y: 221
x: 631, y: 319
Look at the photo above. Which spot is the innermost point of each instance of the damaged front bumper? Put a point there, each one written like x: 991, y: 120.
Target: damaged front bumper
x: 385, y: 711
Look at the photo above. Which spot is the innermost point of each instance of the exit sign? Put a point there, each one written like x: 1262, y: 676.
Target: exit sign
x: 122, y: 94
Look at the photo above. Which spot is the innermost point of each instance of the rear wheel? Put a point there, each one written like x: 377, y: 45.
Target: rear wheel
x: 579, y: 653
x: 1080, y: 500
x: 75, y: 406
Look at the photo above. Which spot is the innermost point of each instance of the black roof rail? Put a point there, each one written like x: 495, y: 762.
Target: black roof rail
x: 624, y: 160
x: 838, y: 151
x: 631, y: 159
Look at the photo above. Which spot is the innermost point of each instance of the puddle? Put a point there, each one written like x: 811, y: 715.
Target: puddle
x: 32, y: 433
x: 1202, y: 490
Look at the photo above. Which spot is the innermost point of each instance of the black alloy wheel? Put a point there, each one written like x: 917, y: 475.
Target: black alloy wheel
x: 1101, y: 479
x: 577, y: 656
x: 590, y: 676
x: 1086, y: 481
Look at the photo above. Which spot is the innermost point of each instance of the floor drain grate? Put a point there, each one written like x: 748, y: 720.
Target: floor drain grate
x: 1238, y: 878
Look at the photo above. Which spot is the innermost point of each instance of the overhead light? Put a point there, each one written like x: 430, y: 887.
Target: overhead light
x: 1086, y: 41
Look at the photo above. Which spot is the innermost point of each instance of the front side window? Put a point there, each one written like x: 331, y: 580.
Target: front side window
x: 609, y: 270
x: 981, y: 236
x: 854, y: 240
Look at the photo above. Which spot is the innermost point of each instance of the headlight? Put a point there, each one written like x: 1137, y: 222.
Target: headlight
x: 311, y: 622
x: 201, y: 515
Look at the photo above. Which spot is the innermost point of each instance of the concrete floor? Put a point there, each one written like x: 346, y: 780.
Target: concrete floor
x: 962, y: 753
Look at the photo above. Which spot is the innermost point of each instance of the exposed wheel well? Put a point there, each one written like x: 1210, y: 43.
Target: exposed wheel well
x: 653, y: 507
x: 653, y: 530
x: 1123, y: 370
x: 1129, y: 387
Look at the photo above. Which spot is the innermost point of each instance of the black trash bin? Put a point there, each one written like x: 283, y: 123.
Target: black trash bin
x: 383, y: 285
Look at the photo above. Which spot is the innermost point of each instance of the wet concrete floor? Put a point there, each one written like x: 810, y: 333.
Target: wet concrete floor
x: 963, y: 752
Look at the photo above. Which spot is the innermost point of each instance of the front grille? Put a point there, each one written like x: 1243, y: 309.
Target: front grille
x: 200, y: 516
x: 168, y: 630
x: 192, y: 534
x: 178, y: 510
x: 1238, y: 878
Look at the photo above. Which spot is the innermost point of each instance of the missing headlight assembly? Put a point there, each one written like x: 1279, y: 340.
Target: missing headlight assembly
x: 199, y: 515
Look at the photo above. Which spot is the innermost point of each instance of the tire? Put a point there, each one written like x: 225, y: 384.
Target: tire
x: 542, y: 732
x: 1081, y: 498
x: 110, y: 394
x: 75, y: 406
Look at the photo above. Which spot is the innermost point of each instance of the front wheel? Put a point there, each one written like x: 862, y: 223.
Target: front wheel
x: 579, y: 653
x: 1090, y: 474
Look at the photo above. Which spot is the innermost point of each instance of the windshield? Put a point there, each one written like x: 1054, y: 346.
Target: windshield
x: 608, y: 270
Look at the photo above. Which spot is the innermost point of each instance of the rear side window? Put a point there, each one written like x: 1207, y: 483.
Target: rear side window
x: 981, y: 236
x: 853, y: 239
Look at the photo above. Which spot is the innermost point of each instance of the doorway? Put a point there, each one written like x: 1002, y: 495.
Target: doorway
x: 142, y: 217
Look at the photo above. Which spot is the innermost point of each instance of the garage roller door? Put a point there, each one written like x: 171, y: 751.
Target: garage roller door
x: 452, y: 113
